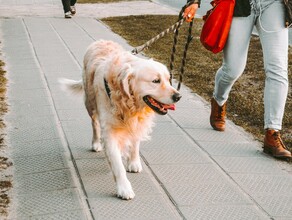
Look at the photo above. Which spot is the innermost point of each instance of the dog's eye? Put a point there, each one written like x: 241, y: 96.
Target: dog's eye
x: 156, y: 81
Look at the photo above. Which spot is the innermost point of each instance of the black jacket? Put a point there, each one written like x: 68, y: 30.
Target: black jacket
x: 242, y: 7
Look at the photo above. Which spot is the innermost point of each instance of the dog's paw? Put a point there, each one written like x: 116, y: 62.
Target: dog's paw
x: 125, y: 191
x: 134, y: 166
x: 96, y: 147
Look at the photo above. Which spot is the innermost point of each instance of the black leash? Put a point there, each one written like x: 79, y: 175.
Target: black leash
x: 175, y: 28
x: 189, y: 39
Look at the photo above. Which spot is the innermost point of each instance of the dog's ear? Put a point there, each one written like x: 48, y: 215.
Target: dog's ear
x: 125, y: 77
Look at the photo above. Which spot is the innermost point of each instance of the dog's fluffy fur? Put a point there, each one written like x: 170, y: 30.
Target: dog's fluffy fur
x: 120, y: 120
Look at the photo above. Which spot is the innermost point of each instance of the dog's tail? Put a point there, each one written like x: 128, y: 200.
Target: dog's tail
x: 75, y: 87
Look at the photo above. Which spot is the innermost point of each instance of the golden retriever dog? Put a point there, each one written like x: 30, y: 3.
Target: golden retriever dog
x: 122, y: 94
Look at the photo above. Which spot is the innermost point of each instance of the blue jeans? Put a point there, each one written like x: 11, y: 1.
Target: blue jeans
x: 268, y: 18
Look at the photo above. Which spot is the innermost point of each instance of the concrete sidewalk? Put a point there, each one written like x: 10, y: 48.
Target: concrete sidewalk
x: 189, y: 170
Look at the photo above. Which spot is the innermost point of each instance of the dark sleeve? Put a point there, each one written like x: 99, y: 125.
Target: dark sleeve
x: 242, y: 8
x: 194, y: 1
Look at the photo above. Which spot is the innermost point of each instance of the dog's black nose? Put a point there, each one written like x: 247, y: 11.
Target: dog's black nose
x: 176, y: 97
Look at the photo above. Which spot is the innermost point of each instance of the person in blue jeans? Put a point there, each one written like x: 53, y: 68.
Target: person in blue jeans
x: 69, y: 8
x: 268, y: 16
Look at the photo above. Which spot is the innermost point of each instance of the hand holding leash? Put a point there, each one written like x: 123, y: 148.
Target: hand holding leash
x: 190, y: 12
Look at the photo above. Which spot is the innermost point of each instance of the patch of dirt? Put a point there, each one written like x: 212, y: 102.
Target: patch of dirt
x: 5, y: 163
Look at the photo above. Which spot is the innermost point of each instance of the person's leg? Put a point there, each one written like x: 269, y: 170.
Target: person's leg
x: 72, y: 6
x: 234, y: 57
x: 73, y: 2
x: 274, y: 39
x: 66, y: 8
x: 234, y: 61
x: 66, y: 5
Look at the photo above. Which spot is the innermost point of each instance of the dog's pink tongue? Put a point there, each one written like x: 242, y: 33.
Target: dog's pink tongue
x: 170, y: 107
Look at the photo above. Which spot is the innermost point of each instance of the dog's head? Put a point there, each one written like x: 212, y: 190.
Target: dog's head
x: 149, y: 82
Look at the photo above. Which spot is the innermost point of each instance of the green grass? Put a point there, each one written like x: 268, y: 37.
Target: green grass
x: 245, y: 104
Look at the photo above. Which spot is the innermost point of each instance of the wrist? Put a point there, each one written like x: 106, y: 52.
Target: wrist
x: 189, y: 2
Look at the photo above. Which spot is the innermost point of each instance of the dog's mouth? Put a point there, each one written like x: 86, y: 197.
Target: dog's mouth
x: 156, y: 106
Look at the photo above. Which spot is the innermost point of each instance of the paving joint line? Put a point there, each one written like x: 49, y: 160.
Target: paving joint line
x: 221, y: 168
x: 57, y: 119
x: 64, y: 134
x: 163, y: 187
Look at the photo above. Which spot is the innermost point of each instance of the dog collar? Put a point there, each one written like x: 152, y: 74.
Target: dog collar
x: 108, y: 91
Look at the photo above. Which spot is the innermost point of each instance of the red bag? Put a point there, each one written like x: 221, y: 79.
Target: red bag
x: 217, y: 25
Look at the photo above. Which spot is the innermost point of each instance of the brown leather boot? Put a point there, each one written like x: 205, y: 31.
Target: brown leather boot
x: 217, y: 117
x: 274, y: 145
